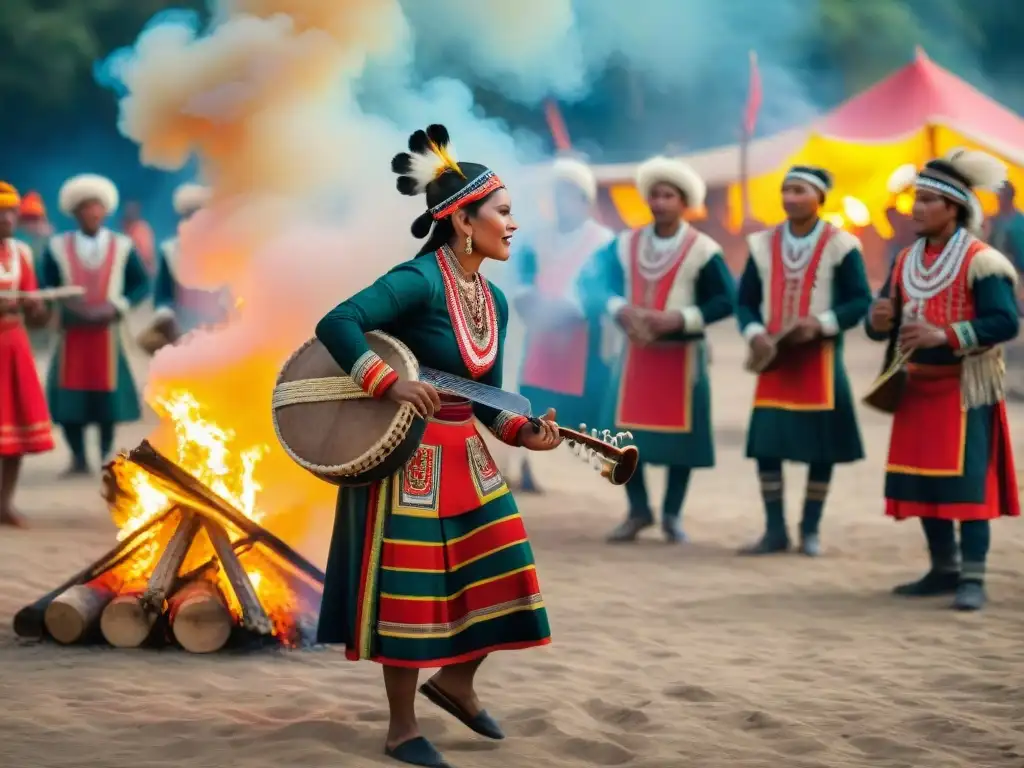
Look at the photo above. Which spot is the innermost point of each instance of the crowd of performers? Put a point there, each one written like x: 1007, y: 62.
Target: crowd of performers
x: 946, y: 309
x: 432, y: 567
x: 89, y: 381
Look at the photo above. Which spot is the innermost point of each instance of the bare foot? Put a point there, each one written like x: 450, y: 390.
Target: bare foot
x: 12, y: 519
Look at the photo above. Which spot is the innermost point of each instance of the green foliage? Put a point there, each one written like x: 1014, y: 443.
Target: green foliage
x: 49, y: 46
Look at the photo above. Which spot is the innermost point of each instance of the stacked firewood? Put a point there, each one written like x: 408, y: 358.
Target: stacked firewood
x: 202, y: 609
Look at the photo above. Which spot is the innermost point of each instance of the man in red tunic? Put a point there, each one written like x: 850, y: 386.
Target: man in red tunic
x: 947, y: 310
x: 90, y: 380
x: 24, y: 417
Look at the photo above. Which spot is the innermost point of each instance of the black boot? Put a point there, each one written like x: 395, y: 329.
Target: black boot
x: 970, y: 596
x: 935, y: 582
x: 672, y: 528
x: 772, y: 543
x: 630, y: 528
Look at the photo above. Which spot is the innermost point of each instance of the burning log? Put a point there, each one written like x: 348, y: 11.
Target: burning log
x: 29, y: 621
x: 202, y: 609
x: 254, y: 617
x: 199, y: 617
x: 74, y: 613
x: 166, y: 571
x: 189, y: 491
x: 129, y: 618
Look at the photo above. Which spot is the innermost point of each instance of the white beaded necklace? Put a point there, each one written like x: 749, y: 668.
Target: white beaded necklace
x: 797, y: 251
x: 657, y: 254
x: 923, y: 282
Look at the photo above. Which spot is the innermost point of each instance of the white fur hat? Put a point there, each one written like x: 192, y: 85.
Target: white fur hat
x: 86, y: 187
x: 902, y: 179
x: 577, y: 173
x: 189, y: 198
x: 674, y: 172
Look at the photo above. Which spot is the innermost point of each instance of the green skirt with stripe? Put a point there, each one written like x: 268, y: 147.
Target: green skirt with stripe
x: 408, y: 587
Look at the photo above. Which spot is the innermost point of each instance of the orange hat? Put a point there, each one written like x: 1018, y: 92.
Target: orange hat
x: 32, y: 205
x: 9, y: 197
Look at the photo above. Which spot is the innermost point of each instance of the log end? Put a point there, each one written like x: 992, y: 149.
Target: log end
x: 28, y: 623
x: 65, y: 622
x: 202, y: 624
x: 125, y: 623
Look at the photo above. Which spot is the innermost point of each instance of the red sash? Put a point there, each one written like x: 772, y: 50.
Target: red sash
x: 929, y: 429
x: 89, y: 353
x: 654, y: 392
x: 803, y: 380
x: 556, y: 358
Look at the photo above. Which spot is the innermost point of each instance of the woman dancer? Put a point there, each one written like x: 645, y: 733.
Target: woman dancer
x: 433, y: 568
x: 24, y: 417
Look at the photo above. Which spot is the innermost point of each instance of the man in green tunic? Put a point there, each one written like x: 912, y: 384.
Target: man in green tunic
x: 803, y: 286
x: 90, y: 381
x: 563, y: 366
x: 664, y: 284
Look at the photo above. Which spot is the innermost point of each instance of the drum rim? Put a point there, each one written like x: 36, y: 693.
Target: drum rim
x: 385, y: 445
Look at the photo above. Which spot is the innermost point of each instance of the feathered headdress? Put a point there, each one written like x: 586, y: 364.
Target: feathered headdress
x: 431, y: 167
x: 430, y: 156
x: 902, y: 179
x: 956, y: 175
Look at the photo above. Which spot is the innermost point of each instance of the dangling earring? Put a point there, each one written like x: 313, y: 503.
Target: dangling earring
x: 469, y: 244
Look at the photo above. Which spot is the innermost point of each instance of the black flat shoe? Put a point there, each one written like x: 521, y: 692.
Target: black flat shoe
x: 481, y: 723
x: 417, y: 751
x: 931, y: 584
x: 970, y: 596
x: 629, y: 529
x: 769, y: 544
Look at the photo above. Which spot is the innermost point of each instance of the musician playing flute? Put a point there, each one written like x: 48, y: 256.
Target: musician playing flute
x: 664, y: 284
x: 804, y: 278
x: 433, y: 567
x: 24, y: 417
x: 563, y: 367
x: 90, y: 381
x: 951, y: 305
x: 180, y: 307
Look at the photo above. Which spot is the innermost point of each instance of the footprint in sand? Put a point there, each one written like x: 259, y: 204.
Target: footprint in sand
x: 591, y: 752
x: 884, y: 747
x: 691, y: 693
x: 626, y: 718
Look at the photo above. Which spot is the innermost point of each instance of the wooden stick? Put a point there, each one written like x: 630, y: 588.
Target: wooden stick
x: 189, y: 491
x: 199, y: 617
x: 75, y: 612
x: 254, y: 617
x: 29, y: 622
x: 130, y: 617
x: 166, y: 572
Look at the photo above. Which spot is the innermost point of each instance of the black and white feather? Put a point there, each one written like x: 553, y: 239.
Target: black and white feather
x: 430, y: 156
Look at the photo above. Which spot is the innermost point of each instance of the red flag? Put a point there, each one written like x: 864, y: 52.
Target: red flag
x: 753, y: 97
x: 556, y: 125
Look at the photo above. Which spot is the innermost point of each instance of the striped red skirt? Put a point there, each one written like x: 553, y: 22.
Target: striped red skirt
x: 433, y: 566
x: 24, y: 418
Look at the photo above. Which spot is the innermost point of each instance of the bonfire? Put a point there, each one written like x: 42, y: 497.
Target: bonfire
x: 192, y: 566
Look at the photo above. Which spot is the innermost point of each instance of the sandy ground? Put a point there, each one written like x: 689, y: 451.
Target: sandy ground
x: 663, y: 656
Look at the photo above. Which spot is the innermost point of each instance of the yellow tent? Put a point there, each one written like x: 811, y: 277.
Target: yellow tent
x: 914, y: 115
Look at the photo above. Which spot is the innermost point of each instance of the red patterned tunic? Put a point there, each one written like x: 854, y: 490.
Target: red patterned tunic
x: 24, y: 417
